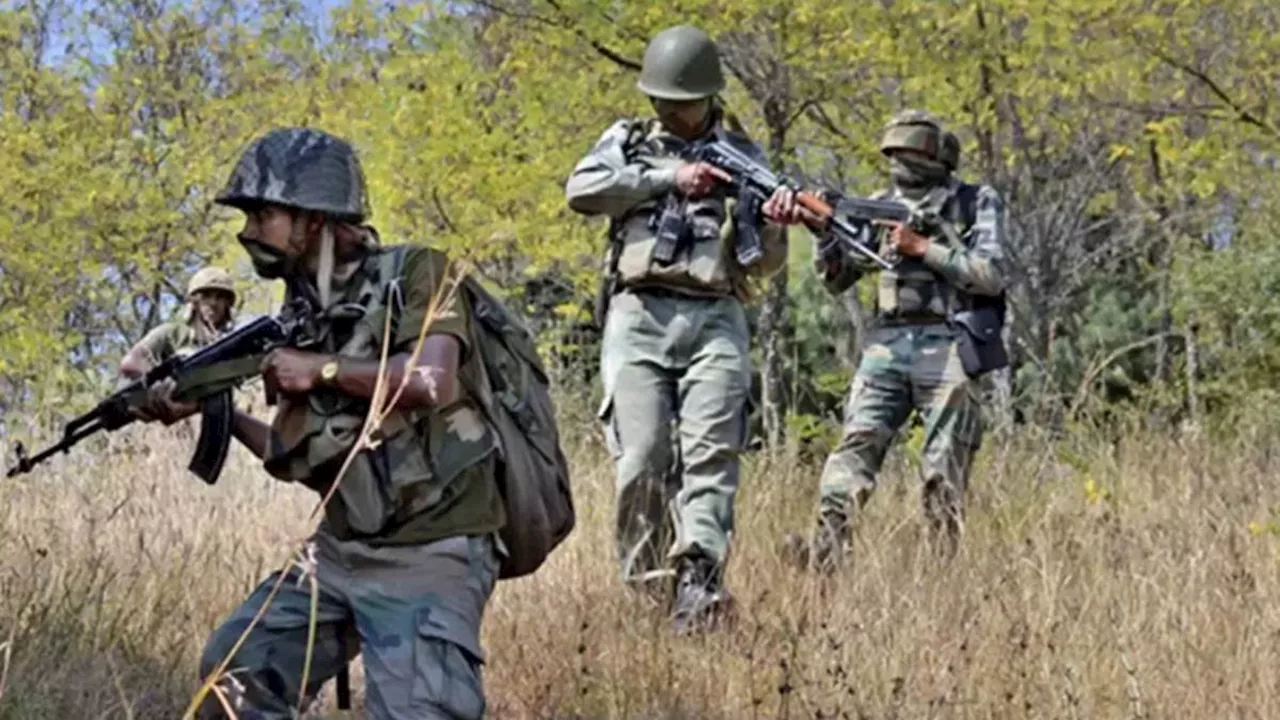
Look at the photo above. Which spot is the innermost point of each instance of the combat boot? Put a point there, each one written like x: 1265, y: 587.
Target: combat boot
x: 701, y: 602
x: 944, y: 512
x: 826, y: 551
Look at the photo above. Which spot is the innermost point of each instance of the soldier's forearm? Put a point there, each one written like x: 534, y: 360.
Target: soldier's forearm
x: 614, y: 191
x: 970, y: 273
x: 433, y: 381
x: 251, y: 432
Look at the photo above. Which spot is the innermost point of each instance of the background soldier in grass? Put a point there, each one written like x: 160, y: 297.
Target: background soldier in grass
x: 930, y: 343
x: 407, y: 554
x: 675, y: 345
x: 211, y: 296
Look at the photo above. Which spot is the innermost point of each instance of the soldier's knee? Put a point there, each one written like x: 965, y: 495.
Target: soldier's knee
x: 645, y: 456
x: 219, y: 646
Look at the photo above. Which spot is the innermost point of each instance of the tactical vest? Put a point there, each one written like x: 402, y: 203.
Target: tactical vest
x: 912, y: 293
x: 702, y: 264
x: 411, y: 462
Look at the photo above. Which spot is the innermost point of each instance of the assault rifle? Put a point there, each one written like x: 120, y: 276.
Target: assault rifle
x: 755, y: 183
x: 207, y: 375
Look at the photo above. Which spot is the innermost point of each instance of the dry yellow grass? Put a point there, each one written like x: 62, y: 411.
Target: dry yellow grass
x: 1135, y: 580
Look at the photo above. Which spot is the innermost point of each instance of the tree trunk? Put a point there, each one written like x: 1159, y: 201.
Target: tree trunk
x: 774, y: 331
x: 1193, y: 370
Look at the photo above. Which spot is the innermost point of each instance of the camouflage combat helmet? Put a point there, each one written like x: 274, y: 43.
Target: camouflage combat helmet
x: 913, y: 130
x: 949, y: 153
x: 300, y: 168
x: 681, y: 63
x: 212, y: 278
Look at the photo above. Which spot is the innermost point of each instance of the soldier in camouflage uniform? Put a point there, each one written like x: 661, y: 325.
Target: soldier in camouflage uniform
x: 912, y: 358
x: 408, y: 553
x: 211, y: 295
x: 675, y: 345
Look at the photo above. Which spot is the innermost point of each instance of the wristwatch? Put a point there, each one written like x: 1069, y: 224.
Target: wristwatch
x: 329, y: 371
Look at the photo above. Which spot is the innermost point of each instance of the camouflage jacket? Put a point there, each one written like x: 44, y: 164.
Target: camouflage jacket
x: 429, y: 475
x: 961, y: 262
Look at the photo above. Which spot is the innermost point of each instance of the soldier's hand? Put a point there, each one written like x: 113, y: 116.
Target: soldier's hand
x: 782, y: 208
x: 292, y: 372
x: 905, y: 241
x: 697, y: 179
x: 159, y: 405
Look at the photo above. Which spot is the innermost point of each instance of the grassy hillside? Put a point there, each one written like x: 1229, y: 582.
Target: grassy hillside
x: 1097, y: 580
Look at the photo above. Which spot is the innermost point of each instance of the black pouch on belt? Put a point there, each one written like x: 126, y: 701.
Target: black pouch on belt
x: 980, y: 345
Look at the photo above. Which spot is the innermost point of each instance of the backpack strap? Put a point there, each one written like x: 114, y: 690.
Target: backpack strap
x: 390, y: 268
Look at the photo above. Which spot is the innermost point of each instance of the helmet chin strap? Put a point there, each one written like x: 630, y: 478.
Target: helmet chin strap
x: 324, y: 271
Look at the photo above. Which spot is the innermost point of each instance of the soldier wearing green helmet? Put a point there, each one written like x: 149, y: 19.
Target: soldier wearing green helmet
x: 408, y: 552
x: 206, y: 316
x: 675, y: 344
x: 934, y: 337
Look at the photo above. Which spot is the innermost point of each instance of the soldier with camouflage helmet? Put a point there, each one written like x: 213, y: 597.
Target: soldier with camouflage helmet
x: 919, y: 354
x: 408, y: 552
x: 675, y: 341
x: 207, y: 314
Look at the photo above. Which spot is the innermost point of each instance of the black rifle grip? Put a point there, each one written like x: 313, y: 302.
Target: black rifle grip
x: 216, y: 418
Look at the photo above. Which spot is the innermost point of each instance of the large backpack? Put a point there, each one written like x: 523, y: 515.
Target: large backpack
x: 533, y: 474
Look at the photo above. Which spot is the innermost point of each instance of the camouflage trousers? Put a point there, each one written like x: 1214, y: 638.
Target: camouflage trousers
x: 413, y: 612
x: 676, y: 376
x: 907, y: 368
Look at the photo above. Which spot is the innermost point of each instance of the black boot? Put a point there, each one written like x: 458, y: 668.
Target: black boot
x: 826, y: 551
x: 701, y: 602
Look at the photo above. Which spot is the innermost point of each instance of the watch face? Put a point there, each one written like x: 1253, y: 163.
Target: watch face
x: 330, y: 370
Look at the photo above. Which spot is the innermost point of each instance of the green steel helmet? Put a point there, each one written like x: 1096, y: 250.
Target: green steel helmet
x: 681, y: 63
x: 212, y: 278
x: 301, y: 168
x: 913, y: 130
x: 949, y: 153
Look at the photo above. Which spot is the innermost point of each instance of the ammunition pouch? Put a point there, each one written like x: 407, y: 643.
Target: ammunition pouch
x: 672, y: 233
x: 980, y: 344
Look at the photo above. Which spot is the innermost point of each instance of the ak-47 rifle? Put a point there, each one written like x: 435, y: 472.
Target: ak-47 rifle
x: 207, y: 375
x: 755, y: 183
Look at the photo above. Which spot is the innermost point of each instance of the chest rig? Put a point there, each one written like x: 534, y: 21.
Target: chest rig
x: 913, y: 293
x: 389, y: 480
x: 670, y: 240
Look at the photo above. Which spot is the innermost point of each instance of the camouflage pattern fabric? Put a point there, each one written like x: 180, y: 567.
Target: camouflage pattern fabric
x: 911, y: 363
x: 903, y: 369
x: 412, y: 612
x: 921, y: 289
x: 300, y: 168
x: 673, y: 360
x: 913, y: 130
x: 425, y: 480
